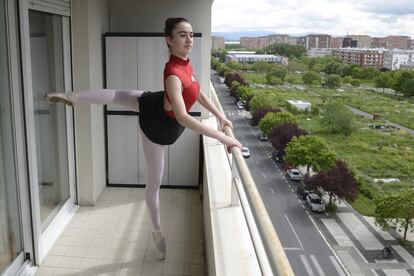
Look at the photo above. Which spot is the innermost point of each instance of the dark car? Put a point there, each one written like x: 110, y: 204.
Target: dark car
x: 277, y: 156
x: 303, y: 191
x: 262, y: 137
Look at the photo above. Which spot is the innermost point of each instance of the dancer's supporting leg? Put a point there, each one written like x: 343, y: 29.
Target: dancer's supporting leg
x: 154, y: 155
x: 125, y: 98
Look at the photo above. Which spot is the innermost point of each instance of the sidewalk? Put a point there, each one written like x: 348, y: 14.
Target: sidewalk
x: 357, y: 241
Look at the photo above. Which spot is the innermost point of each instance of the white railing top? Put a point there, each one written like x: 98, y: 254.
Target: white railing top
x: 275, y: 254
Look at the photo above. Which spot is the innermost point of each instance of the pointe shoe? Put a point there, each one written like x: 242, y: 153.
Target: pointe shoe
x: 67, y: 98
x: 159, y: 240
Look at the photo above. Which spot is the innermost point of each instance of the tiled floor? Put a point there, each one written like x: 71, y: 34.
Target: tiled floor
x: 114, y: 237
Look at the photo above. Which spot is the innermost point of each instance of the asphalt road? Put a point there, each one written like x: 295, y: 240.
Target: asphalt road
x: 307, y: 250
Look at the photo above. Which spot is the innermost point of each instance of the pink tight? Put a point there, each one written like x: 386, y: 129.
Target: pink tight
x: 154, y: 153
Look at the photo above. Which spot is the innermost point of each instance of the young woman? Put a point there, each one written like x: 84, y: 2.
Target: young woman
x: 163, y: 115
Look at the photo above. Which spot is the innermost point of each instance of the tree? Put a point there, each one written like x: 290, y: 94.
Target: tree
x: 271, y: 120
x: 311, y: 77
x: 309, y: 151
x: 338, y: 182
x: 333, y: 81
x: 244, y: 92
x: 230, y: 77
x: 286, y: 50
x: 403, y: 82
x: 223, y: 70
x: 333, y: 67
x: 273, y: 80
x: 338, y: 118
x: 261, y: 112
x: 262, y: 100
x: 383, y: 80
x: 296, y: 65
x: 235, y: 66
x: 261, y: 66
x: 282, y: 134
x: 276, y: 71
x: 396, y: 208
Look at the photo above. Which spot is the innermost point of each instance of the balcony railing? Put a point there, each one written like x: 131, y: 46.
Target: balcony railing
x: 268, y: 248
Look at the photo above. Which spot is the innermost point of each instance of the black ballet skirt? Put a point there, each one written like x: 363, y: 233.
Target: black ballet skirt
x: 154, y: 122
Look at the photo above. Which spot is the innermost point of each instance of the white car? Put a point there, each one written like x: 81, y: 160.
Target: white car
x: 245, y: 152
x: 315, y: 202
x: 294, y: 174
x: 240, y: 105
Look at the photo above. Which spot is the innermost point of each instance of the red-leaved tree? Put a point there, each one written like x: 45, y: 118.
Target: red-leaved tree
x: 282, y: 134
x: 261, y: 112
x: 338, y: 182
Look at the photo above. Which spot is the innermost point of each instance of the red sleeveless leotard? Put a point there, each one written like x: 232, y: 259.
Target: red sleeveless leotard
x: 184, y: 71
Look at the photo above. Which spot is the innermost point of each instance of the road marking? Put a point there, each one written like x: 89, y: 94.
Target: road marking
x: 296, y: 235
x: 292, y: 249
x: 336, y: 265
x: 316, y: 264
x: 273, y: 192
x: 292, y: 190
x: 307, y: 265
x: 264, y: 175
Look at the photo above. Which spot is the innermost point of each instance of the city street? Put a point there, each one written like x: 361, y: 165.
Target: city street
x: 306, y: 248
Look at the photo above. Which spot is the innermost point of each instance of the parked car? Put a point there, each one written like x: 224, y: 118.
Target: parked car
x: 277, y: 156
x: 245, y: 152
x: 294, y: 174
x: 315, y: 203
x: 262, y: 137
x: 240, y: 105
x: 303, y: 191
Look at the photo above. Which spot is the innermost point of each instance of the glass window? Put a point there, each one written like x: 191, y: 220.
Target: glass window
x: 10, y: 223
x: 46, y: 48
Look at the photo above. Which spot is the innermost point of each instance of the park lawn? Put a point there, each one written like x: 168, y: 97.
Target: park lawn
x: 297, y: 77
x: 259, y: 78
x: 397, y: 111
x: 284, y: 94
x: 364, y: 205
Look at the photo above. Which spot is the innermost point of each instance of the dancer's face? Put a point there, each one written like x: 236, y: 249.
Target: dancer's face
x: 181, y: 40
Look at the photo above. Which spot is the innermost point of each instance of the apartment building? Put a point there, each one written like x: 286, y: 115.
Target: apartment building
x: 337, y: 42
x: 317, y: 41
x: 361, y: 56
x: 217, y: 42
x: 254, y: 42
x: 396, y: 58
x: 319, y: 52
x: 362, y: 41
x: 252, y: 58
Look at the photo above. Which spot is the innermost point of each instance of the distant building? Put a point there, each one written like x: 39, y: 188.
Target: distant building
x: 394, y: 59
x: 241, y: 52
x: 408, y: 66
x: 397, y: 42
x: 361, y: 56
x: 362, y: 41
x: 378, y: 42
x: 251, y: 58
x: 317, y: 41
x: 217, y: 42
x: 281, y: 39
x: 412, y: 44
x: 337, y: 42
x: 348, y: 42
x: 319, y: 52
x: 254, y: 42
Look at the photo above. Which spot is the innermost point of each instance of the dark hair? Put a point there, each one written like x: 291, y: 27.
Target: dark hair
x: 171, y: 23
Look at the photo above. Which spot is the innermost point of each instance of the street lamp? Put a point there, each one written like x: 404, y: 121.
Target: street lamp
x: 309, y: 124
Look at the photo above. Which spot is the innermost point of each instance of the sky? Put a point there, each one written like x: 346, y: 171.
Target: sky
x: 299, y: 17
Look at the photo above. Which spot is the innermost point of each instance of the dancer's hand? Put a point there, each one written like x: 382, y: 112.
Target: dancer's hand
x: 225, y: 122
x: 229, y: 141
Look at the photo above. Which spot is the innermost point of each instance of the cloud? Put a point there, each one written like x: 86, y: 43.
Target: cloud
x: 335, y: 17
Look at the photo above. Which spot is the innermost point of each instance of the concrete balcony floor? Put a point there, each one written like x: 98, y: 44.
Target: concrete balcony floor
x: 114, y: 237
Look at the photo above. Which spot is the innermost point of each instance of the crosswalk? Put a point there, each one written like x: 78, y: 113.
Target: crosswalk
x: 313, y: 267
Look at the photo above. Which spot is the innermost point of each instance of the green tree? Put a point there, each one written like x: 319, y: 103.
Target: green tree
x: 222, y: 70
x: 338, y: 118
x: 273, y: 80
x: 271, y: 120
x: 311, y: 77
x: 223, y: 56
x: 261, y: 66
x: 309, y: 151
x: 396, y: 209
x: 276, y: 71
x: 296, y: 65
x: 262, y: 100
x: 383, y: 80
x: 286, y: 50
x: 333, y: 67
x: 235, y: 66
x: 403, y: 82
x: 244, y: 92
x: 333, y: 81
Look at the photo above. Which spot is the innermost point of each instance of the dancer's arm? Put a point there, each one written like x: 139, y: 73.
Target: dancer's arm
x: 173, y: 85
x: 208, y: 104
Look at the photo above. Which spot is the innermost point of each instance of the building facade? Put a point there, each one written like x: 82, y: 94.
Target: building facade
x: 337, y: 42
x: 361, y: 56
x: 396, y: 58
x: 362, y: 41
x: 317, y: 41
x: 252, y: 58
x: 217, y: 42
x: 319, y: 52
